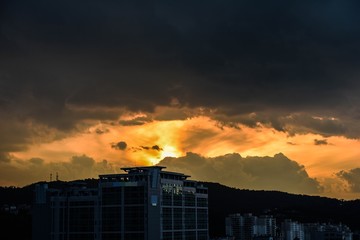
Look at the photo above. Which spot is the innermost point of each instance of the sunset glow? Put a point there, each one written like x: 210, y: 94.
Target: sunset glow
x: 252, y: 95
x: 149, y: 143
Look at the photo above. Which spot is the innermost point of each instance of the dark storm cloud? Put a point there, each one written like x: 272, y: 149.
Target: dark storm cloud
x: 83, y: 161
x: 13, y: 134
x: 238, y: 57
x: 307, y: 123
x: 101, y: 131
x: 5, y: 157
x: 155, y: 147
x: 120, y: 145
x: 352, y: 177
x: 36, y: 161
x: 293, y: 123
x: 135, y: 122
x: 271, y: 173
x: 320, y: 142
x: 37, y: 169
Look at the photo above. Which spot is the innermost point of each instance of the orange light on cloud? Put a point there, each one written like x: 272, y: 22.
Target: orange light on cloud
x: 199, y: 135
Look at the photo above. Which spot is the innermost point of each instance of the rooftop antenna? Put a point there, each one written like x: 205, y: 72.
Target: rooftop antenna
x: 57, y: 176
x: 50, y: 177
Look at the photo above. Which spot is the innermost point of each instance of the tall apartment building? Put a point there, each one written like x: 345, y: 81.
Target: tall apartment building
x: 143, y: 203
x: 248, y: 227
x: 322, y: 231
x: 292, y: 230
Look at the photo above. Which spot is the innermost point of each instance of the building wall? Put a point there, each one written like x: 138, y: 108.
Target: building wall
x: 184, y: 210
x: 248, y: 227
x: 73, y: 214
x: 327, y: 232
x: 145, y: 203
x: 123, y: 211
x: 292, y: 230
x: 41, y: 216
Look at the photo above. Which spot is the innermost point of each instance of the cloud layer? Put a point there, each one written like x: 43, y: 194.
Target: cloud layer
x: 284, y: 66
x: 23, y: 172
x: 352, y: 178
x: 269, y: 173
x: 239, y: 57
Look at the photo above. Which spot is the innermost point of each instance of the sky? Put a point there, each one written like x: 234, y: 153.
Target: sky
x: 252, y: 94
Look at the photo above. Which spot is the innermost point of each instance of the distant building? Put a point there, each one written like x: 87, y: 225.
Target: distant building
x: 324, y: 231
x: 248, y: 227
x: 266, y: 226
x: 356, y: 235
x: 292, y: 230
x: 143, y: 203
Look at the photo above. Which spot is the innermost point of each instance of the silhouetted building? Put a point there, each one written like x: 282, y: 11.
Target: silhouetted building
x: 317, y: 231
x: 356, y: 235
x: 266, y: 226
x: 144, y: 203
x: 292, y: 230
x: 248, y: 227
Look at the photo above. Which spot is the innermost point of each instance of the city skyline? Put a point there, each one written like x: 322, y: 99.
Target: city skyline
x: 255, y: 95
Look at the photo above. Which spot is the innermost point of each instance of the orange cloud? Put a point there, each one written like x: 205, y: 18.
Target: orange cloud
x: 202, y: 135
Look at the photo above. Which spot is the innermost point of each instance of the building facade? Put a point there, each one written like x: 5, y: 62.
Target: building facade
x: 249, y: 227
x: 142, y: 203
x: 292, y: 230
x: 322, y: 231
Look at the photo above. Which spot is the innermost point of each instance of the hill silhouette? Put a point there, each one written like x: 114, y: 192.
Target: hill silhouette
x: 223, y: 200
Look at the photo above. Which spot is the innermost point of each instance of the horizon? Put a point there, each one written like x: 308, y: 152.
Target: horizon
x: 256, y: 95
x: 205, y: 182
x: 48, y: 181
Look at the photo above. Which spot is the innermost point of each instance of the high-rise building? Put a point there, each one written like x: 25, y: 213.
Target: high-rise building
x: 292, y: 230
x: 143, y: 203
x: 248, y: 227
x: 266, y: 226
x: 323, y: 231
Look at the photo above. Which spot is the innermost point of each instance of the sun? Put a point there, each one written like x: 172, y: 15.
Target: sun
x: 167, y: 151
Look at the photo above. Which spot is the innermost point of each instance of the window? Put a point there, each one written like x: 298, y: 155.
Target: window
x: 190, y: 218
x: 111, y: 219
x: 167, y: 218
x: 189, y: 199
x: 178, y: 218
x: 202, y: 218
x: 134, y: 195
x: 134, y: 218
x: 111, y: 196
x: 202, y: 202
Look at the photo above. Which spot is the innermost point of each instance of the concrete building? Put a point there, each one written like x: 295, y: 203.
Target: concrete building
x: 292, y: 230
x: 322, y: 231
x: 248, y: 227
x: 143, y: 203
x: 266, y: 226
